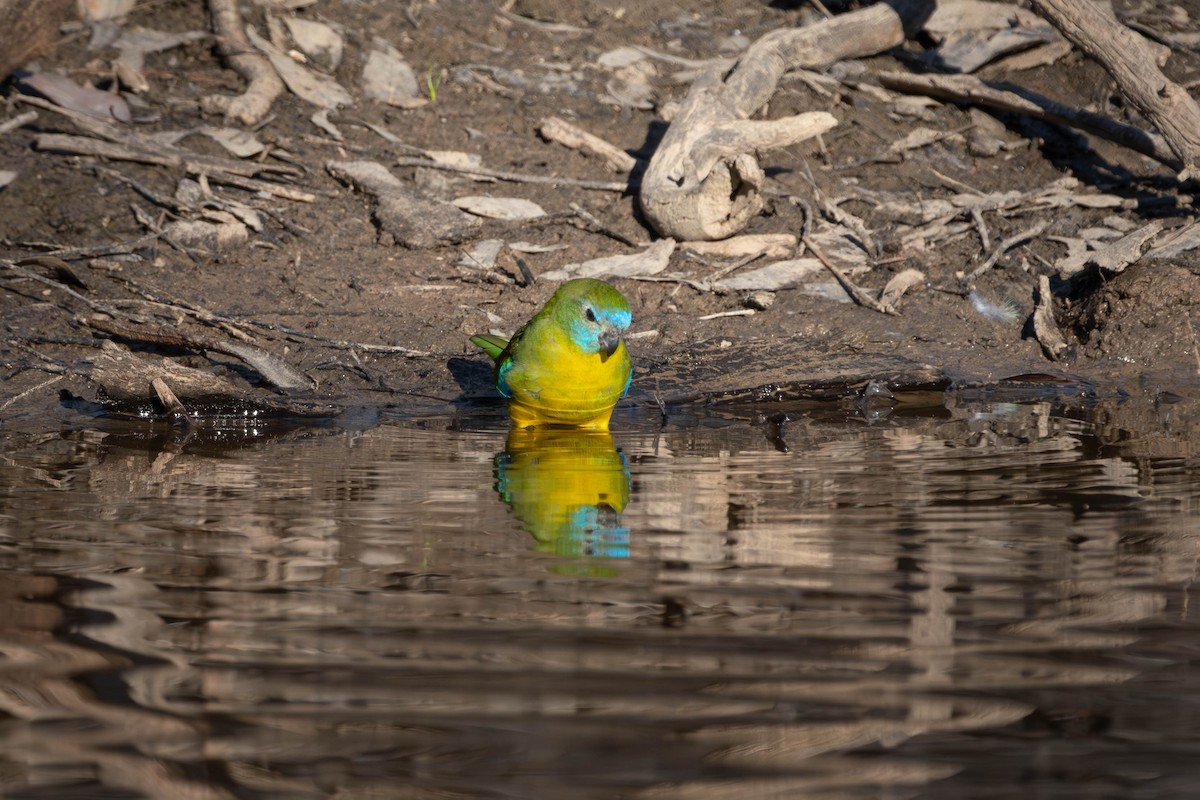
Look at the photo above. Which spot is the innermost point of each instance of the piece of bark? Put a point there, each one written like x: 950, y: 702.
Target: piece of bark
x: 955, y: 16
x: 1177, y: 242
x: 234, y: 46
x: 1130, y: 60
x: 704, y: 180
x: 968, y: 89
x: 1113, y: 257
x: 509, y: 208
x: 171, y: 403
x: 412, y: 219
x: 1044, y: 326
x: 970, y: 50
x: 773, y: 277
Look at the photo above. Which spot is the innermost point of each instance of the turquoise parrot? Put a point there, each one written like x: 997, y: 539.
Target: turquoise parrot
x: 567, y: 365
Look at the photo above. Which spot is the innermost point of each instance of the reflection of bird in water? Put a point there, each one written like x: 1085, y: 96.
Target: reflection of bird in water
x: 567, y: 365
x: 568, y: 487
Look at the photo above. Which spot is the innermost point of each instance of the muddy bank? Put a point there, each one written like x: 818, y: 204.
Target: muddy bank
x: 338, y: 250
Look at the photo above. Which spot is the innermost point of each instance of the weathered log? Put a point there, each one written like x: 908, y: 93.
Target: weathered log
x: 1130, y: 60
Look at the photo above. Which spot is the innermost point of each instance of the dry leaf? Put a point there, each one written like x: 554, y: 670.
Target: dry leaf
x: 900, y: 283
x: 69, y: 94
x: 388, y: 78
x: 651, y: 261
x: 240, y: 143
x: 316, y: 40
x: 309, y: 86
x: 482, y: 254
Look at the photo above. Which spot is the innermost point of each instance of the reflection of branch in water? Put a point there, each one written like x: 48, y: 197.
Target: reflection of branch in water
x: 568, y: 487
x: 72, y: 730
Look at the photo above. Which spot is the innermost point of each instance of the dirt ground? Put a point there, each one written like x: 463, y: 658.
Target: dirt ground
x: 323, y: 280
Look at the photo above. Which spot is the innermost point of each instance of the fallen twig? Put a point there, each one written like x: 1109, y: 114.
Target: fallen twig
x: 17, y: 121
x: 739, y: 312
x: 98, y: 250
x: 251, y: 184
x: 568, y: 135
x: 171, y: 404
x: 518, y: 177
x: 32, y: 389
x: 1004, y: 246
x: 583, y: 219
x: 969, y: 89
x: 103, y: 308
x: 859, y: 296
x: 340, y: 344
x: 111, y: 141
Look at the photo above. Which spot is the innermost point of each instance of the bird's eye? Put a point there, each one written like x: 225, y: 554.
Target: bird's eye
x: 591, y: 315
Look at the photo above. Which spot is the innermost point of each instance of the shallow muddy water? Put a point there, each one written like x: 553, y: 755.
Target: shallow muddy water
x: 956, y: 596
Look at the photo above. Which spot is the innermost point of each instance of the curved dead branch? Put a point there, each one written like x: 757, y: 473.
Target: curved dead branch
x: 265, y: 84
x: 704, y: 181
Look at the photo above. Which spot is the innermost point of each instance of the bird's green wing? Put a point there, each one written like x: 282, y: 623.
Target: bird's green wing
x: 492, y: 345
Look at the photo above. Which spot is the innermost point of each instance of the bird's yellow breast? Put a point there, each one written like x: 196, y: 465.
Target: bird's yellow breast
x: 556, y: 382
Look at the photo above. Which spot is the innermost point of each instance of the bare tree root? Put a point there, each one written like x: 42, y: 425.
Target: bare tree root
x: 704, y: 180
x: 265, y: 84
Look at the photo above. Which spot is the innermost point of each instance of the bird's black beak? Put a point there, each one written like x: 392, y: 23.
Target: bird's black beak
x: 610, y: 340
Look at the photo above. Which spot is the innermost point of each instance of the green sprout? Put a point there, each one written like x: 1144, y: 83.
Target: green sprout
x: 431, y: 85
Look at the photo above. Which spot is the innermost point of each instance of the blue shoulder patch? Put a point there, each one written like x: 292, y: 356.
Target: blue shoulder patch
x: 502, y: 378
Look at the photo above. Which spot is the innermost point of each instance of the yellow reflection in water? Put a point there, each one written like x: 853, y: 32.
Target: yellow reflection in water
x: 568, y: 487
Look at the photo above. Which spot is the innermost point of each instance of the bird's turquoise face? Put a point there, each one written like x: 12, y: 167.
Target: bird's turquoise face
x: 597, y: 327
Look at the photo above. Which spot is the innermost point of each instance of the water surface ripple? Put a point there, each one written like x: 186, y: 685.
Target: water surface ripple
x: 988, y: 602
